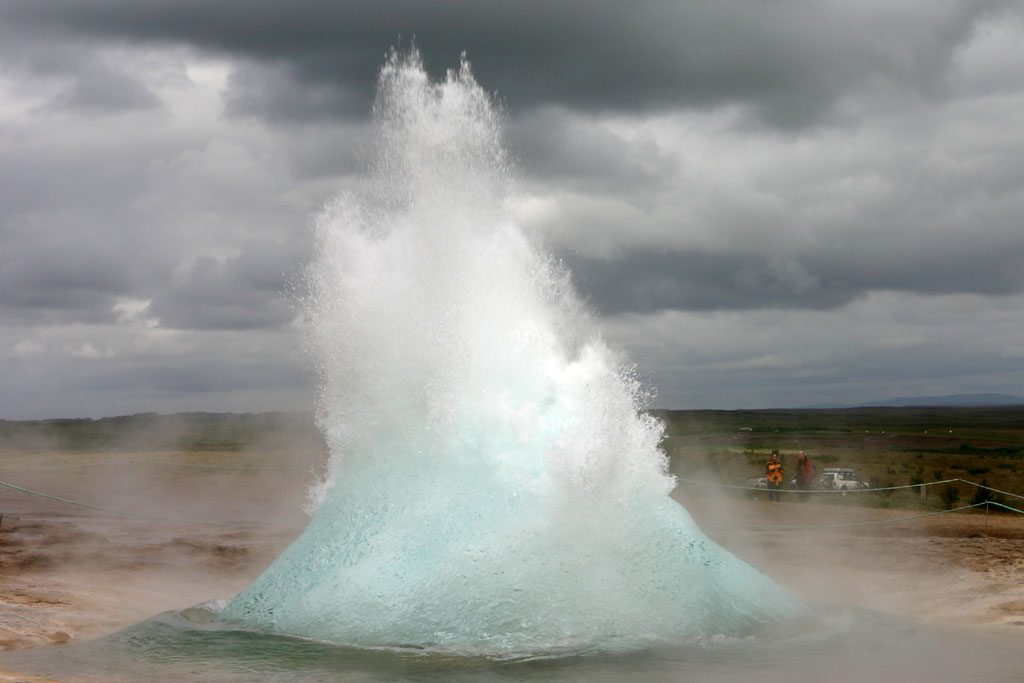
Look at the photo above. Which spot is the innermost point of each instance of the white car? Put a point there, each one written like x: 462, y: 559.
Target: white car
x: 758, y: 483
x: 840, y: 479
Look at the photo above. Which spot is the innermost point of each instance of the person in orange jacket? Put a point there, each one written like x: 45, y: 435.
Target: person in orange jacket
x: 773, y: 474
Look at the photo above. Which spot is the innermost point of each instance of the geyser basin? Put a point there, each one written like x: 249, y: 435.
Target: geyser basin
x: 494, y: 486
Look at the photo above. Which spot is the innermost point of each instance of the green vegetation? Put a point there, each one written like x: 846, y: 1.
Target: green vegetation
x: 885, y: 446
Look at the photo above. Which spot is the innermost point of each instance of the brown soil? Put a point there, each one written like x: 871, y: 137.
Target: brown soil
x: 956, y: 569
x: 69, y: 573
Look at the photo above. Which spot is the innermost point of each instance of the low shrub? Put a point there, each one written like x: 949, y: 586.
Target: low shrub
x: 949, y: 496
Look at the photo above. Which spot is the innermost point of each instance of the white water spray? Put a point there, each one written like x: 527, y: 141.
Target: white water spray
x: 493, y: 486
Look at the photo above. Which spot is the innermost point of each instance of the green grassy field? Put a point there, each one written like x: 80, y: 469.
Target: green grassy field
x: 886, y: 447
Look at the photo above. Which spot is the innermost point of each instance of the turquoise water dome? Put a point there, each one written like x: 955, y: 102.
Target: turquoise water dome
x: 493, y: 484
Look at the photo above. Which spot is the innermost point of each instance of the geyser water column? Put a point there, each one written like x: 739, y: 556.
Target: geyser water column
x: 493, y: 484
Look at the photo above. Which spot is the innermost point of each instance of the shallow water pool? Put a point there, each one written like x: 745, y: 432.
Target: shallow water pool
x: 849, y: 645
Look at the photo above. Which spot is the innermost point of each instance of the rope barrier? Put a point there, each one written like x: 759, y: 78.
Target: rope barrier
x: 980, y: 486
x: 850, y: 490
x: 992, y: 502
x: 854, y: 524
x: 120, y: 512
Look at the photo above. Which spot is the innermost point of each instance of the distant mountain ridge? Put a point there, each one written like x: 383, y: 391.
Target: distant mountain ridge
x: 951, y: 401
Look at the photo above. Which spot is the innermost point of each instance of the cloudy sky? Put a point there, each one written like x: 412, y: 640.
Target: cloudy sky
x: 768, y: 204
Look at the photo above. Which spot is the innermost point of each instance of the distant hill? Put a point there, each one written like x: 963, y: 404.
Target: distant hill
x: 951, y: 401
x: 153, y: 432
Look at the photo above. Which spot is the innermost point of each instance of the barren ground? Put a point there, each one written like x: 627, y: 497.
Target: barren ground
x: 70, y: 573
x: 956, y: 569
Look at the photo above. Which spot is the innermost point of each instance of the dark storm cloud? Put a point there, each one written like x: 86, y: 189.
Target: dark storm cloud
x: 554, y: 146
x: 74, y: 264
x: 643, y: 281
x: 821, y: 196
x: 966, y: 267
x: 648, y: 281
x: 102, y: 89
x: 93, y: 82
x: 277, y: 92
x: 204, y: 376
x: 76, y: 279
x: 212, y: 370
x: 242, y: 293
x: 57, y: 170
x: 787, y: 61
x: 71, y: 246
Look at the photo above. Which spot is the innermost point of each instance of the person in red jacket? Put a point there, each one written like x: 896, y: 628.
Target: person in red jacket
x: 804, y: 475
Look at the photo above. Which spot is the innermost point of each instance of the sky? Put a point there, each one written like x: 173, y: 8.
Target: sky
x: 765, y: 204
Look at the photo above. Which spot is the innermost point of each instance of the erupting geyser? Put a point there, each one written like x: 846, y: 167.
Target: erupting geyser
x: 493, y: 485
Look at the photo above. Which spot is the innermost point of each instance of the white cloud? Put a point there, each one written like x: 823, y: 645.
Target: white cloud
x: 88, y: 350
x: 130, y: 309
x: 27, y: 348
x: 211, y: 74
